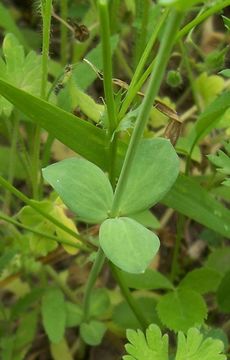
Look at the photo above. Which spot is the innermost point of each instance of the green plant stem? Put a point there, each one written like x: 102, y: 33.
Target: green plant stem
x: 64, y: 31
x: 139, y: 77
x: 179, y: 236
x: 108, y: 84
x: 46, y: 20
x: 142, y: 15
x: 96, y: 268
x: 67, y: 291
x: 12, y: 159
x: 129, y: 298
x: 200, y: 18
x: 161, y: 61
x: 37, y: 208
x: 40, y: 233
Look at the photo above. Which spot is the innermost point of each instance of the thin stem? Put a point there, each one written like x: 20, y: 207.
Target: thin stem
x: 40, y: 233
x: 97, y: 266
x: 38, y: 209
x: 64, y: 31
x: 200, y: 18
x: 135, y: 84
x: 108, y: 84
x: 142, y: 14
x: 128, y: 297
x: 46, y: 19
x: 179, y: 237
x: 65, y: 288
x: 12, y: 159
x: 171, y: 29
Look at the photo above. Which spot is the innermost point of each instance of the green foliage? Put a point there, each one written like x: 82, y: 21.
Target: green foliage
x: 181, y: 309
x: 222, y: 161
x: 174, y: 78
x: 155, y: 170
x: 128, y: 244
x: 54, y: 314
x: 202, y: 280
x: 181, y: 4
x: 223, y: 295
x: 83, y: 187
x: 154, y: 346
x: 74, y: 314
x: 92, y: 332
x: 219, y: 260
x: 22, y: 71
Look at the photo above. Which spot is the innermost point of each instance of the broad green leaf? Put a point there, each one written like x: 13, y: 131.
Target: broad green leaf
x: 147, y: 219
x: 83, y: 187
x: 219, y: 260
x: 225, y: 73
x: 22, y: 71
x: 54, y: 314
x: 24, y: 337
x: 202, y: 280
x: 195, y: 347
x: 149, y: 280
x: 153, y: 173
x: 223, y: 294
x: 124, y: 317
x: 129, y: 245
x: 182, y: 309
x: 61, y: 351
x: 92, y: 332
x: 74, y: 314
x: 153, y: 346
x: 191, y: 199
x: 82, y: 137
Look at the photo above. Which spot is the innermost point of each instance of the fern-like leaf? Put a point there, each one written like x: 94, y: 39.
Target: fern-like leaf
x: 222, y: 161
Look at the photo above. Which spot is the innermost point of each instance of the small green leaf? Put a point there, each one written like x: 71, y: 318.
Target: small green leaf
x: 92, y: 332
x: 147, y: 219
x: 124, y: 317
x: 222, y: 161
x: 226, y: 22
x: 153, y: 173
x: 150, y: 280
x: 99, y: 303
x: 202, y: 280
x: 61, y: 351
x: 219, y: 260
x: 54, y: 314
x: 153, y: 346
x: 74, y: 314
x: 195, y: 347
x: 223, y: 294
x: 129, y: 245
x: 83, y: 187
x: 181, y: 309
x: 225, y: 73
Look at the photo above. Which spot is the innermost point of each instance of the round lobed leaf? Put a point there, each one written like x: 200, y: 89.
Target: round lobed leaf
x: 129, y: 245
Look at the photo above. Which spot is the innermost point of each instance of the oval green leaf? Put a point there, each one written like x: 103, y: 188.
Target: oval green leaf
x: 83, y: 187
x: 154, y: 171
x: 129, y: 245
x: 92, y: 332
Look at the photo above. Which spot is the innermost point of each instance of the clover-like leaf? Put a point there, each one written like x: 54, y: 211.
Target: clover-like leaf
x: 22, y: 71
x: 222, y: 161
x: 83, y: 187
x: 128, y: 244
x: 153, y: 173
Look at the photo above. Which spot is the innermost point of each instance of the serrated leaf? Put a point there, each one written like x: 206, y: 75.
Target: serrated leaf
x: 92, y: 332
x: 182, y: 309
x: 223, y: 294
x: 153, y: 346
x: 149, y: 280
x: 54, y: 314
x: 83, y: 187
x: 129, y: 245
x: 202, y: 280
x: 195, y: 347
x: 153, y: 173
x: 222, y: 161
